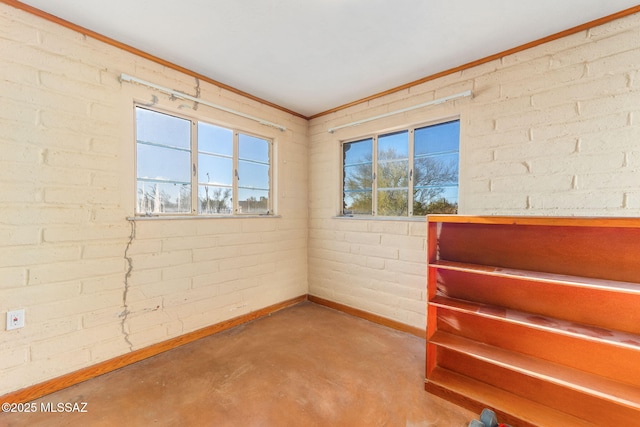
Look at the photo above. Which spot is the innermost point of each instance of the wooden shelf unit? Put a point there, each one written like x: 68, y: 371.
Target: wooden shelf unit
x: 537, y: 318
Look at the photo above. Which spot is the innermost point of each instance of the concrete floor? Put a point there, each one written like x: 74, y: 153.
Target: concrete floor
x: 303, y: 366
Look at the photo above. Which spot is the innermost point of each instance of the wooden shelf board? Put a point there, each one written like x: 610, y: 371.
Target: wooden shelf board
x: 557, y: 279
x: 597, y: 357
x: 590, y: 333
x: 516, y: 410
x: 538, y: 220
x: 579, y: 381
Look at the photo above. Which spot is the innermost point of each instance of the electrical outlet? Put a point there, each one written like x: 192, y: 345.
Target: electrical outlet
x: 15, y: 319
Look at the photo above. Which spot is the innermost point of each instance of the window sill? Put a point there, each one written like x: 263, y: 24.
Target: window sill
x: 191, y: 217
x: 381, y: 218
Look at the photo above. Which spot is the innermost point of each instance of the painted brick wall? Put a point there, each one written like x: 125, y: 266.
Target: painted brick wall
x: 553, y: 130
x: 67, y: 187
x: 550, y: 131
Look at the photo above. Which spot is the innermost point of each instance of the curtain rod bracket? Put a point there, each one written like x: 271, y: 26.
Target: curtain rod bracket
x: 127, y: 78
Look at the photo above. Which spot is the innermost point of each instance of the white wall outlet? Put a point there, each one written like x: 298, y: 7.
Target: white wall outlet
x: 15, y: 319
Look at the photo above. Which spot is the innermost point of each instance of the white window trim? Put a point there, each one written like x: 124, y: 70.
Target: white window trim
x: 411, y: 151
x: 194, y: 170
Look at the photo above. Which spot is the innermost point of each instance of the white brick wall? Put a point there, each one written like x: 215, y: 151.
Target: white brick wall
x: 67, y: 188
x: 552, y: 130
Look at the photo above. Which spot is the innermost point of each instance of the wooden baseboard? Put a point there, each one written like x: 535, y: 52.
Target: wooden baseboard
x: 369, y: 316
x: 42, y: 389
x: 47, y: 387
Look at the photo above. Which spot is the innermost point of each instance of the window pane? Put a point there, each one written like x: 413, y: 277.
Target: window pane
x: 214, y: 200
x: 214, y: 139
x: 393, y: 202
x: 393, y: 174
x: 393, y: 146
x: 444, y: 200
x: 162, y: 129
x: 357, y: 177
x: 357, y: 203
x: 215, y: 169
x: 156, y: 197
x: 253, y: 148
x: 437, y: 138
x: 436, y: 170
x: 436, y: 166
x: 358, y: 152
x: 164, y: 164
x: 253, y: 201
x: 253, y: 175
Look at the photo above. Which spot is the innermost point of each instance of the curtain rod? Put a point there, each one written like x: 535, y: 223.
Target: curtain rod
x: 127, y: 78
x: 403, y: 110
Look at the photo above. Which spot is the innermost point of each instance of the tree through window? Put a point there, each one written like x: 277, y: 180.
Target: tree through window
x: 413, y: 172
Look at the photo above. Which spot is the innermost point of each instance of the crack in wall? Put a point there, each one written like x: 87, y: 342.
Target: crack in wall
x: 125, y: 292
x: 174, y: 97
x: 195, y: 104
x: 154, y: 101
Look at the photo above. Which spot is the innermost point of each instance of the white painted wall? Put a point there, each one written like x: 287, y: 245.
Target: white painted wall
x: 67, y: 187
x: 552, y: 130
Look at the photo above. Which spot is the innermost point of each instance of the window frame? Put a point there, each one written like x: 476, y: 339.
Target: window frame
x: 374, y: 136
x: 194, y: 153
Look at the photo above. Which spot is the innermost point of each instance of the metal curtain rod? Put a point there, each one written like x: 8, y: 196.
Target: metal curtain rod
x: 403, y: 110
x: 177, y: 94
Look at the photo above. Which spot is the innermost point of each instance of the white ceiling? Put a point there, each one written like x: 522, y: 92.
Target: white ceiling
x: 311, y: 56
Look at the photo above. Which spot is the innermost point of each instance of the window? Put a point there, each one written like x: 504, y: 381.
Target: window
x: 412, y: 172
x: 184, y: 166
